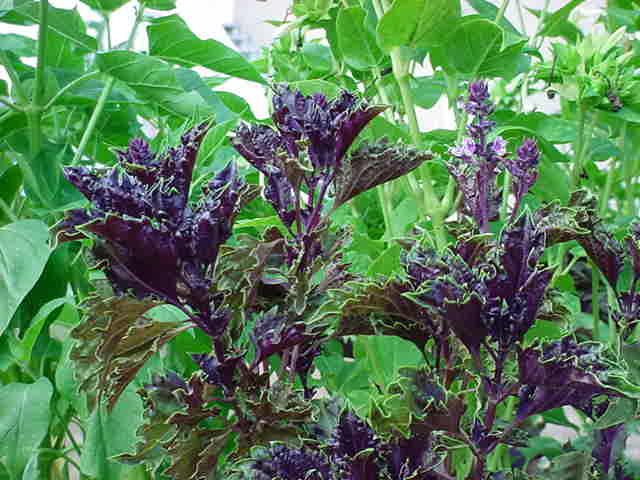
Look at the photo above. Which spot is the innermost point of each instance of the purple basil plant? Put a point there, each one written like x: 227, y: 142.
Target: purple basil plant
x: 481, y: 156
x: 257, y: 405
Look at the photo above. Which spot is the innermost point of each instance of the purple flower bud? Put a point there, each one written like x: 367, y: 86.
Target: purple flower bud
x: 524, y: 170
x: 272, y: 334
x: 217, y: 373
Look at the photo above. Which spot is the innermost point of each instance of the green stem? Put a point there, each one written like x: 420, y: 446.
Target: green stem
x: 69, y: 86
x: 495, y: 460
x: 385, y: 204
x: 35, y: 113
x: 106, y: 91
x: 503, y: 8
x: 97, y: 111
x: 14, y: 77
x: 431, y: 203
x: 579, y: 145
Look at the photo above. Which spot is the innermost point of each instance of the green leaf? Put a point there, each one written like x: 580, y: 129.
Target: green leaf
x: 554, y: 22
x: 161, y: 4
x: 10, y: 183
x: 171, y: 40
x: 489, y: 11
x: 318, y: 57
x: 473, y: 43
x: 109, y: 435
x: 417, y: 23
x: 309, y: 87
x: 387, y: 263
x: 105, y: 5
x: 18, y: 44
x: 24, y: 251
x: 66, y: 23
x: 24, y: 421
x: 22, y: 348
x: 152, y: 80
x: 570, y: 466
x: 631, y: 355
x: 620, y: 410
x: 383, y: 356
x: 427, y: 90
x: 356, y: 41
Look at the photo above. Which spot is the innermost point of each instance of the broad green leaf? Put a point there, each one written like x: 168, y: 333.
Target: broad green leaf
x: 318, y: 57
x: 10, y: 183
x: 24, y: 420
x: 18, y: 44
x: 357, y: 43
x: 161, y: 4
x: 417, y: 23
x: 171, y: 40
x: 570, y: 466
x: 24, y: 251
x: 66, y: 23
x: 23, y: 347
x: 105, y: 5
x: 153, y: 80
x: 489, y: 11
x: 506, y: 63
x: 387, y: 263
x: 427, y: 90
x: 110, y: 434
x: 631, y: 354
x: 620, y: 410
x: 383, y: 356
x: 473, y: 43
x: 309, y: 87
x: 554, y: 21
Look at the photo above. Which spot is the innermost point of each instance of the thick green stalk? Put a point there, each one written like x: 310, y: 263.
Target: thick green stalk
x: 106, y: 91
x: 35, y: 112
x: 431, y: 203
x: 503, y: 8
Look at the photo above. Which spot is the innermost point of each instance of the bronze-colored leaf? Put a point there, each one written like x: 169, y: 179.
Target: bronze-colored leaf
x: 115, y: 341
x: 374, y: 164
x: 382, y: 309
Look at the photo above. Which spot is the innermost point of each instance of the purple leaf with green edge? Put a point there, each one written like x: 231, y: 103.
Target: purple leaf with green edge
x: 281, y: 462
x: 114, y: 342
x: 354, y: 448
x: 602, y: 248
x: 517, y: 290
x: 384, y: 309
x: 373, y: 164
x: 608, y: 448
x: 633, y: 247
x: 561, y: 373
x: 560, y: 224
x: 452, y: 290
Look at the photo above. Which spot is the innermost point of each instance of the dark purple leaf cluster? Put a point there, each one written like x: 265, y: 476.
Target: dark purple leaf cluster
x: 561, y: 373
x: 354, y: 453
x: 479, y: 158
x: 153, y: 241
x: 302, y: 157
x: 493, y: 296
x: 304, y: 151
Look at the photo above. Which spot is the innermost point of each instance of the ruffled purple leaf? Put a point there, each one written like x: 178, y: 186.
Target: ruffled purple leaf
x: 558, y: 374
x: 284, y: 463
x: 354, y: 448
x: 220, y: 374
x: 608, y: 448
x: 273, y: 334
